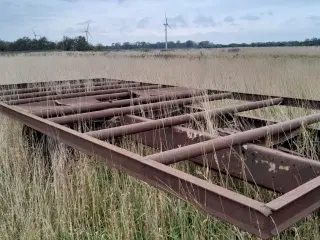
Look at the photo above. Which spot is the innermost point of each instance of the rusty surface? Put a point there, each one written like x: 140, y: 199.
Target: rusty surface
x: 210, y: 146
x: 33, y: 84
x: 66, y: 91
x: 287, y: 101
x: 68, y: 85
x: 134, y: 109
x: 54, y: 112
x: 235, y: 207
x: 86, y: 101
x: 177, y: 120
x: 73, y: 95
x: 233, y: 152
x: 268, y: 168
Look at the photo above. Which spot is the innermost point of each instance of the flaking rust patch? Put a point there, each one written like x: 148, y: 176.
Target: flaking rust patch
x: 193, y: 135
x: 271, y: 165
x: 286, y: 168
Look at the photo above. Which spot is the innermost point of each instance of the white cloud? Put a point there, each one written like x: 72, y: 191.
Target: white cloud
x: 222, y: 21
x: 250, y: 17
x: 143, y: 23
x: 177, y: 22
x: 229, y: 19
x: 205, y: 21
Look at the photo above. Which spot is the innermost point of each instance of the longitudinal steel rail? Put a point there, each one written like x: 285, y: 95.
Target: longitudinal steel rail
x: 139, y: 109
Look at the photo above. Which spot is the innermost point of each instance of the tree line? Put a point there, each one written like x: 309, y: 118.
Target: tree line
x: 80, y: 44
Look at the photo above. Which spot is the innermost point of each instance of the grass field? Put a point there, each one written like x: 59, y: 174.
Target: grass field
x: 83, y: 200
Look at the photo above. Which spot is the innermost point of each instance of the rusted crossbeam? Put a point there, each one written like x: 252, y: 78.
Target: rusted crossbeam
x: 177, y: 120
x: 210, y: 146
x: 256, y: 164
x: 55, y: 86
x: 247, y: 122
x: 133, y: 109
x: 54, y: 112
x: 32, y: 84
x: 65, y: 91
x: 287, y: 101
x: 78, y: 94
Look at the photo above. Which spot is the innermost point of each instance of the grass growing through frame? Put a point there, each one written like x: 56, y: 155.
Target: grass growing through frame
x: 80, y: 199
x: 83, y: 200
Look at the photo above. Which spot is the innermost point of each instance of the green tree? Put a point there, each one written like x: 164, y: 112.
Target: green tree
x: 81, y: 44
x: 190, y: 44
x: 21, y: 44
x: 67, y: 44
x: 4, y: 46
x: 99, y: 47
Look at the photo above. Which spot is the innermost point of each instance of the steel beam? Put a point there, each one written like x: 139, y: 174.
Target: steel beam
x: 287, y: 101
x: 64, y: 91
x: 210, y: 146
x: 80, y: 94
x: 50, y: 87
x: 244, y: 212
x: 245, y: 122
x: 108, y: 97
x: 177, y: 120
x: 54, y: 112
x: 133, y: 109
x: 294, y: 205
x: 259, y: 165
x: 58, y: 82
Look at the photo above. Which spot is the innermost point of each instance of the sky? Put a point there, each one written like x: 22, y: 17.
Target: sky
x: 218, y: 21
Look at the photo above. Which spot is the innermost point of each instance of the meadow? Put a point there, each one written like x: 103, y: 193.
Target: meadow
x: 81, y: 199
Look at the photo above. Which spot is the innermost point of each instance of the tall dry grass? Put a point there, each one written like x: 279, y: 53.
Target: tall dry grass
x: 80, y: 199
x: 289, y: 72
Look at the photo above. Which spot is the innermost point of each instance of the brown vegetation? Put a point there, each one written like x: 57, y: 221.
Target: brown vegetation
x: 81, y: 200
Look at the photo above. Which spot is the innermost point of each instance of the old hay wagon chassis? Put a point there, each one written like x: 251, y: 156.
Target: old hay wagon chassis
x: 258, y: 151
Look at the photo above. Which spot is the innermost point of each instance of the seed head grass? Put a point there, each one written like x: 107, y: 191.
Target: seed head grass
x: 78, y: 198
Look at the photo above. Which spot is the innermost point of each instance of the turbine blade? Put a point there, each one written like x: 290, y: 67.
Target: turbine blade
x: 90, y: 35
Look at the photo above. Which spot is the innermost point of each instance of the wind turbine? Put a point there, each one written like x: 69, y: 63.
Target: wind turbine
x: 87, y: 33
x: 34, y: 34
x: 166, y: 25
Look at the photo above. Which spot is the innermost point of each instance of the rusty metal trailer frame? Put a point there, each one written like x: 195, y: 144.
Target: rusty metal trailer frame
x: 237, y: 154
